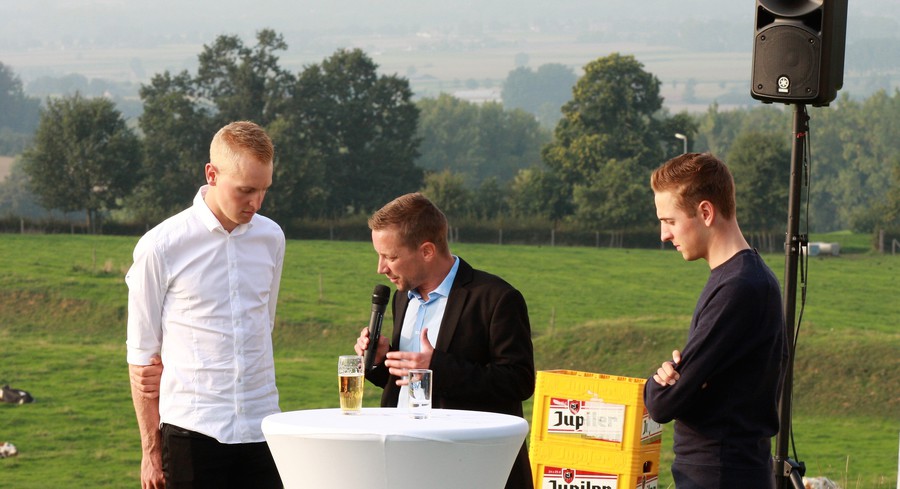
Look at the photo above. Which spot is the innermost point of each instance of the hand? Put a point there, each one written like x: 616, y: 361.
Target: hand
x: 666, y: 375
x: 152, y: 476
x: 400, y: 362
x: 146, y: 378
x: 362, y: 344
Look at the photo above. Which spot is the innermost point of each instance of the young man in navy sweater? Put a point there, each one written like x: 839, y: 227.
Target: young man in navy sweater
x: 722, y: 388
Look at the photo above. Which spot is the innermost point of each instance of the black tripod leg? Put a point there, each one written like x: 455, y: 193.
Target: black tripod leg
x: 796, y: 480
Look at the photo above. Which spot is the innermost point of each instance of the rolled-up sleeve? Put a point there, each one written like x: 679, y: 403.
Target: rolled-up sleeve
x: 146, y: 291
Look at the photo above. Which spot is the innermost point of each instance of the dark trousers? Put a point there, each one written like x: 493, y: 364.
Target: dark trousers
x: 689, y: 476
x: 195, y: 461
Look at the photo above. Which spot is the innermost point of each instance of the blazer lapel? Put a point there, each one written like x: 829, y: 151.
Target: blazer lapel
x: 401, y: 302
x: 455, y: 302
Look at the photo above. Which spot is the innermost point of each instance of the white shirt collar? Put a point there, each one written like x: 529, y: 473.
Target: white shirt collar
x: 206, y: 216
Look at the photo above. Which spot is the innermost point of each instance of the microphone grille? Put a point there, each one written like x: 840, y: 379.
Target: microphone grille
x: 381, y: 295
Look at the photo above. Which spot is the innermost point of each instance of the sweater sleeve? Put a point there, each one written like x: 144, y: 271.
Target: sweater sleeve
x: 720, y: 336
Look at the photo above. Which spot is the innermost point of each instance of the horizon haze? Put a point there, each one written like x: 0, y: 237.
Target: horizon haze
x: 700, y: 50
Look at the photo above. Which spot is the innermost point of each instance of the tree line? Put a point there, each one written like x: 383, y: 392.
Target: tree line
x: 349, y: 139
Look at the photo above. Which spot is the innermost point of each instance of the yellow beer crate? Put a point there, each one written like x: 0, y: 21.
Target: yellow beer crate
x: 593, y: 411
x: 572, y: 467
x: 564, y: 476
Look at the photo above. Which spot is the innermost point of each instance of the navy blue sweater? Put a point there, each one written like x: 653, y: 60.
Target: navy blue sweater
x: 725, y: 402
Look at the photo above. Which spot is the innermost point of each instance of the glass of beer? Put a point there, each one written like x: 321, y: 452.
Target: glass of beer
x: 350, y: 383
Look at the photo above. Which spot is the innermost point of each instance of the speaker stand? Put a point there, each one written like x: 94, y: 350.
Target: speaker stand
x: 789, y: 473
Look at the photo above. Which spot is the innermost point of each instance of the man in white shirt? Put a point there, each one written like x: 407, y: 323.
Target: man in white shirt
x: 201, y: 307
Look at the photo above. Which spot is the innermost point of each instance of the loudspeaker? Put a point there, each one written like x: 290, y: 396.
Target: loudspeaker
x: 798, y: 52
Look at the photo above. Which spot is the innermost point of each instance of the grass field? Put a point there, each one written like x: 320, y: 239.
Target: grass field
x: 63, y: 311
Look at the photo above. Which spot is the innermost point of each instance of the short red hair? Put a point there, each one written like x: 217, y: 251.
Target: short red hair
x: 695, y: 177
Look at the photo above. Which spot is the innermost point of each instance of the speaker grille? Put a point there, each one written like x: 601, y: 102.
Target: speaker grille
x: 786, y: 64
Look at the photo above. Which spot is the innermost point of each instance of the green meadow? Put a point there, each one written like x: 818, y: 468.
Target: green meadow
x: 612, y: 311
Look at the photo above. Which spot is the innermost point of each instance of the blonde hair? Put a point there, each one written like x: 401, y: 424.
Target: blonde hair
x: 241, y: 138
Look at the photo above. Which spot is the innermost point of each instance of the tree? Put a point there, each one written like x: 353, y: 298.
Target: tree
x: 613, y: 105
x: 828, y: 130
x: 182, y: 112
x: 510, y: 140
x: 448, y: 130
x: 448, y: 191
x: 84, y: 157
x: 868, y: 133
x: 15, y: 199
x: 477, y: 141
x: 540, y: 92
x: 344, y: 136
x: 852, y: 147
x: 244, y: 83
x: 760, y: 164
x: 716, y: 130
x: 609, y: 139
x: 19, y: 114
x: 616, y: 199
x: 536, y: 192
x: 299, y: 186
x: 681, y: 123
x: 891, y: 211
x: 489, y: 200
x: 177, y: 132
x: 355, y: 130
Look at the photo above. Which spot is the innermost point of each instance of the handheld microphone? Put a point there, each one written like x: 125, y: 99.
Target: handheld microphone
x: 380, y: 297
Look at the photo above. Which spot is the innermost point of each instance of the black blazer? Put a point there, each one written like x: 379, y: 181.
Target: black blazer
x: 483, y: 357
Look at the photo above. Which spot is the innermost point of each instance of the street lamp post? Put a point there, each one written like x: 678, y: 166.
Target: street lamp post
x: 684, y: 138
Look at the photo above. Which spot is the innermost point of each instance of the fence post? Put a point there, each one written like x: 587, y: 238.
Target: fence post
x: 553, y: 323
x: 500, y: 240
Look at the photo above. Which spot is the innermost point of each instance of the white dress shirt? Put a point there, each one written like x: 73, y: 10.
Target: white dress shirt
x: 205, y: 300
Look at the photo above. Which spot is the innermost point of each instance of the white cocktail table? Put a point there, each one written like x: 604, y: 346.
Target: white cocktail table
x: 383, y: 448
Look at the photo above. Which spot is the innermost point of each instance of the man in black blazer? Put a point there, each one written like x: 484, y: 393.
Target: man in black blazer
x: 468, y: 326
